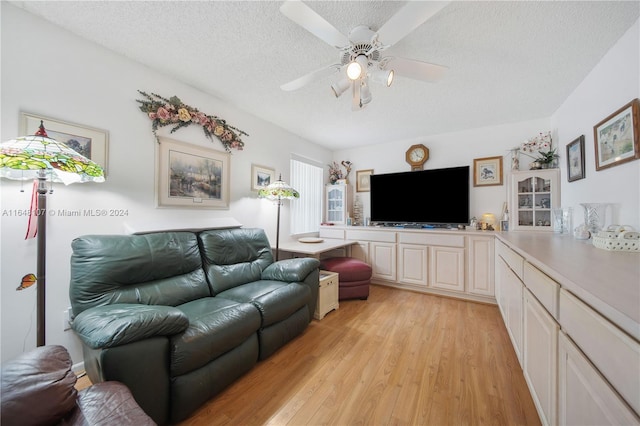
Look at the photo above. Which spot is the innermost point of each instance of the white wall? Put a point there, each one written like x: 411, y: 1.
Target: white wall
x: 611, y: 84
x: 48, y: 71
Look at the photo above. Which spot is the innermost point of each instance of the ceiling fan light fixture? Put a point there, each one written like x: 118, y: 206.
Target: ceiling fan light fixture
x: 365, y: 93
x: 339, y: 87
x: 383, y: 77
x: 357, y: 68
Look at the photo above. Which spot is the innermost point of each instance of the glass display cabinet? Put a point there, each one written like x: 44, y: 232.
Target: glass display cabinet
x: 534, y: 194
x: 337, y: 203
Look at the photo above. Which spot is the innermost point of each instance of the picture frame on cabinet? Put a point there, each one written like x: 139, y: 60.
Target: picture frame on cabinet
x: 91, y: 142
x: 487, y: 171
x: 261, y: 177
x: 575, y: 159
x: 363, y: 180
x: 617, y: 137
x: 191, y: 176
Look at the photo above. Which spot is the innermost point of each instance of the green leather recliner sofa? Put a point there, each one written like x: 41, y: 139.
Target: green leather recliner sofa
x: 178, y: 316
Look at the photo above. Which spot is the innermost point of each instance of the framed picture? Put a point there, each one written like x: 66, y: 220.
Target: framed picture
x: 363, y: 181
x: 261, y: 176
x: 487, y: 171
x: 616, y: 137
x: 575, y: 159
x: 90, y: 142
x: 191, y: 176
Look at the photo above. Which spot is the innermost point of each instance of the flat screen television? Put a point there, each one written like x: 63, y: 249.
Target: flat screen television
x: 438, y: 197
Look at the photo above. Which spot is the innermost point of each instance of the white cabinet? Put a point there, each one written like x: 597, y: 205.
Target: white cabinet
x: 540, y: 362
x: 510, y: 302
x: 360, y: 251
x: 446, y: 269
x: 412, y: 259
x: 383, y: 260
x: 338, y: 203
x: 534, y: 194
x: 481, y: 266
x: 584, y: 396
x: 328, y: 294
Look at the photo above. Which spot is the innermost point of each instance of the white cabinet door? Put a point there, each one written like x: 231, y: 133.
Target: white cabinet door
x: 534, y: 194
x: 412, y: 259
x: 446, y: 268
x: 337, y: 203
x: 584, y: 396
x: 360, y: 251
x: 510, y: 301
x: 540, y: 357
x: 383, y: 260
x: 481, y: 264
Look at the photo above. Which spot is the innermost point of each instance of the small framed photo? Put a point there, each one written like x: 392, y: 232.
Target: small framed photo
x: 88, y: 141
x: 261, y: 176
x: 487, y: 171
x: 363, y: 180
x: 575, y: 159
x: 616, y: 137
x: 191, y: 176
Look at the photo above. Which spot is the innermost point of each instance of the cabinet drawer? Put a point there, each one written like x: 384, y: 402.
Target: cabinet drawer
x: 513, y: 259
x: 544, y: 288
x: 331, y: 233
x: 614, y: 353
x: 431, y: 239
x: 381, y: 236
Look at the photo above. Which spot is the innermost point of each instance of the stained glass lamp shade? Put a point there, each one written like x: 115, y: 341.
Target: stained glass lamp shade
x: 278, y: 191
x: 42, y: 158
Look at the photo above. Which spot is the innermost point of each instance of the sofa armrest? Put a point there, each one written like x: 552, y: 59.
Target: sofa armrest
x: 118, y: 324
x: 291, y: 270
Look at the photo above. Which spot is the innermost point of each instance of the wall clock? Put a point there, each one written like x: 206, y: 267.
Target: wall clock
x: 416, y: 156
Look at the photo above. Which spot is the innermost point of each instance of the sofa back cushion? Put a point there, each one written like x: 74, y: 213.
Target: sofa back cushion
x: 235, y: 256
x: 163, y: 268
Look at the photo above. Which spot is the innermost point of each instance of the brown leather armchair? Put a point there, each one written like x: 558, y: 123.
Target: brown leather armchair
x: 38, y: 388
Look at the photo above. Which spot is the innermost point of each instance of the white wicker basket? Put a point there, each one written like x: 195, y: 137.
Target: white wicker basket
x: 618, y: 238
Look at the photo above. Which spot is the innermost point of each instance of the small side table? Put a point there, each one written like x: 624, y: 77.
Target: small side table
x: 327, y: 294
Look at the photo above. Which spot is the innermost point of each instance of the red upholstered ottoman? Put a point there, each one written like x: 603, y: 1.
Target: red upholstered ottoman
x: 354, y: 276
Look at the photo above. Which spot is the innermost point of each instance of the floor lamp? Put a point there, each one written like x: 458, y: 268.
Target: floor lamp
x: 43, y: 158
x: 278, y: 191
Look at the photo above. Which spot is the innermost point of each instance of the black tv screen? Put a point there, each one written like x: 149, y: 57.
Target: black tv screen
x: 426, y: 197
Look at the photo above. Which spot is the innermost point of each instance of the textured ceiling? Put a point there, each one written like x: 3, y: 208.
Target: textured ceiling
x: 508, y: 61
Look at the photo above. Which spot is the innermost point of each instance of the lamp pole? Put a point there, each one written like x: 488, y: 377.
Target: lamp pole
x: 41, y: 256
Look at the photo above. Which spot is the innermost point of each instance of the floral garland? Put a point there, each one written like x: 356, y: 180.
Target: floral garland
x: 172, y: 112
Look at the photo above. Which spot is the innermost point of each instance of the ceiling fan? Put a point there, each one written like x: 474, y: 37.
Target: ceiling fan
x: 360, y: 59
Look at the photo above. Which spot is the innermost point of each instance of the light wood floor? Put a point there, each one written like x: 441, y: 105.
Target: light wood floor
x: 399, y: 358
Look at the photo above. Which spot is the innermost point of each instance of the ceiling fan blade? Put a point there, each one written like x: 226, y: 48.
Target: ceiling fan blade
x: 408, y: 18
x: 308, y: 19
x: 309, y: 78
x: 417, y: 70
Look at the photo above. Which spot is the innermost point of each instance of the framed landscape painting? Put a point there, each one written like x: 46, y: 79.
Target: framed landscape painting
x: 617, y: 137
x: 261, y: 176
x: 191, y: 176
x: 88, y: 141
x: 487, y: 171
x: 575, y: 159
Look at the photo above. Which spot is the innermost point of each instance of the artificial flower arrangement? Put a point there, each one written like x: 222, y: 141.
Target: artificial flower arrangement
x: 539, y: 144
x: 335, y: 174
x: 173, y: 112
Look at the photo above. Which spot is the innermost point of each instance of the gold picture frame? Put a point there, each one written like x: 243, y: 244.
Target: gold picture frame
x: 261, y: 177
x: 91, y: 142
x: 191, y: 176
x: 617, y: 137
x: 363, y: 181
x: 487, y: 171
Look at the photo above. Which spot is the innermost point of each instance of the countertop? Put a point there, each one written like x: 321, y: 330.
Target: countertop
x: 608, y: 281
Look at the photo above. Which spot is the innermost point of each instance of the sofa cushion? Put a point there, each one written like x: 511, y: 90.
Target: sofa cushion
x: 234, y: 257
x: 38, y: 387
x: 162, y: 268
x: 276, y: 300
x: 216, y: 325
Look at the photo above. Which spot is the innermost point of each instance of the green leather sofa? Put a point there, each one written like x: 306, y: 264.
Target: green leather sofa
x: 178, y: 316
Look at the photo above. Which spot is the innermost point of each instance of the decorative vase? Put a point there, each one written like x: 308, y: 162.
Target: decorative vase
x: 594, y: 214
